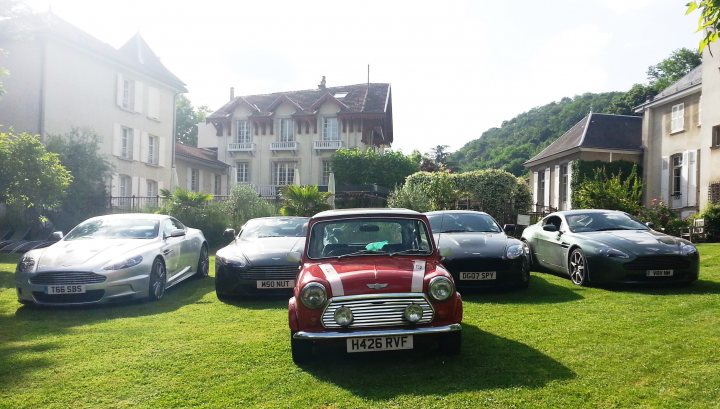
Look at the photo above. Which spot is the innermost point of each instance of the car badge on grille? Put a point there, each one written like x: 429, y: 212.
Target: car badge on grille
x: 377, y: 286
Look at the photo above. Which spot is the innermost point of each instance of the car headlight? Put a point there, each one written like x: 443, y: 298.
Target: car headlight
x: 25, y: 265
x: 441, y: 288
x: 343, y: 316
x: 127, y: 263
x: 688, y: 250
x: 313, y: 295
x: 236, y: 261
x: 514, y: 251
x: 611, y: 252
x: 413, y: 313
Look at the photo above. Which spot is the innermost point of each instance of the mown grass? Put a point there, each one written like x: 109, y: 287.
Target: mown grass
x: 553, y: 345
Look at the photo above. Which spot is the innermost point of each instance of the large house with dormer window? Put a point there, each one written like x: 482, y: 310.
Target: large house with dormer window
x: 283, y: 138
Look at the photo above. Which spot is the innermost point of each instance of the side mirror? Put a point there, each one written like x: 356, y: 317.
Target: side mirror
x: 650, y: 225
x: 550, y: 227
x: 229, y: 233
x: 177, y: 233
x: 294, y: 256
x: 56, y: 236
x: 509, y: 228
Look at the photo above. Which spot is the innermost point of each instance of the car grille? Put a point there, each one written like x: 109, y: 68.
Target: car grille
x: 67, y: 277
x: 287, y: 272
x: 383, y: 310
x: 658, y: 263
x: 89, y: 296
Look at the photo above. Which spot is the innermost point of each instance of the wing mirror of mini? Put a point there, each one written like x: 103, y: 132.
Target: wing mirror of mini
x: 56, y: 236
x: 229, y: 233
x: 550, y: 227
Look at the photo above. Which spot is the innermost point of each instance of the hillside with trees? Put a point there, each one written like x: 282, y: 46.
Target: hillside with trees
x: 522, y: 137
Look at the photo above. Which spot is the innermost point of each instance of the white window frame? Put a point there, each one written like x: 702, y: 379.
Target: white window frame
x: 330, y: 129
x: 676, y: 175
x: 283, y: 173
x: 152, y: 187
x: 542, y: 185
x: 218, y: 184
x: 564, y: 181
x: 287, y: 130
x: 128, y: 98
x: 125, y: 186
x: 325, y: 171
x: 677, y: 118
x: 153, y: 156
x: 242, y: 172
x: 126, y: 143
x: 243, y: 131
x: 715, y: 142
x: 195, y: 180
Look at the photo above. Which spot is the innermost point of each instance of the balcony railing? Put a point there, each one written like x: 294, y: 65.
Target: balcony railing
x: 241, y: 147
x: 327, y: 145
x: 284, y: 146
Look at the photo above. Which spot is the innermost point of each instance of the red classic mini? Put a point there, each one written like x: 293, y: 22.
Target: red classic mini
x: 371, y: 280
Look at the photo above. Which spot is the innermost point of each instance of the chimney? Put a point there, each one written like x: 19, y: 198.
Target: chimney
x: 321, y: 85
x: 232, y: 93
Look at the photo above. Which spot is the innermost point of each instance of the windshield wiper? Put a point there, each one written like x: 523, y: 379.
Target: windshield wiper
x: 616, y: 228
x: 410, y: 251
x: 361, y: 252
x: 455, y: 231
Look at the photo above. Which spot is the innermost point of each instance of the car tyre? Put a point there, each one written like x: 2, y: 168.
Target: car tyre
x: 525, y: 272
x: 203, y: 263
x: 451, y: 343
x: 301, y: 350
x: 578, y: 268
x: 158, y: 280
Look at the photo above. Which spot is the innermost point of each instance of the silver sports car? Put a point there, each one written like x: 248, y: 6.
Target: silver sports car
x: 112, y: 258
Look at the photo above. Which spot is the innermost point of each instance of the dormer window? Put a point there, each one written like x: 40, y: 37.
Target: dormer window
x: 287, y: 130
x: 340, y: 94
x: 330, y: 131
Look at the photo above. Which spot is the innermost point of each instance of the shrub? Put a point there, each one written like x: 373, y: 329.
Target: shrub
x: 495, y: 191
x: 245, y: 204
x: 410, y: 196
x: 612, y: 193
x: 662, y: 217
x: 303, y: 200
x: 196, y: 210
x: 711, y: 214
x: 439, y: 187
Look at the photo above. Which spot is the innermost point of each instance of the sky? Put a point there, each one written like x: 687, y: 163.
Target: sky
x: 457, y: 68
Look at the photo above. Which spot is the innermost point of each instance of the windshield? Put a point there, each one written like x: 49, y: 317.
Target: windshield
x: 584, y: 222
x: 463, y: 222
x: 113, y: 228
x: 274, y: 227
x: 367, y: 236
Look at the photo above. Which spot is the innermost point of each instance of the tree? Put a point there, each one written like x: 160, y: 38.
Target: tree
x: 245, y: 204
x: 671, y: 69
x: 303, y: 200
x: 709, y: 21
x: 32, y: 180
x: 186, y: 119
x: 613, y: 193
x: 197, y: 210
x: 440, y: 154
x: 356, y: 167
x: 79, y: 152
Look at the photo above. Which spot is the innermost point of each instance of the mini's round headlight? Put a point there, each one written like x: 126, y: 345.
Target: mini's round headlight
x: 343, y: 316
x: 441, y: 288
x: 413, y: 313
x: 313, y: 295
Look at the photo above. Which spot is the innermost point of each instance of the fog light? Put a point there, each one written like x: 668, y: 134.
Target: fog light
x: 413, y: 313
x: 343, y: 316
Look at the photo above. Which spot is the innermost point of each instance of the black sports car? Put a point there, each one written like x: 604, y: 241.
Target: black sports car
x: 258, y: 261
x: 477, y: 252
x: 606, y: 246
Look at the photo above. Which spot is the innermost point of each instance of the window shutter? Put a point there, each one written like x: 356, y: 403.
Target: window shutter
x: 546, y: 199
x: 692, y: 177
x: 142, y: 187
x: 569, y: 186
x: 136, y: 144
x: 684, y: 178
x: 161, y: 151
x: 144, y: 148
x: 153, y: 103
x: 665, y: 180
x: 189, y: 179
x: 117, y: 139
x: 200, y: 181
x: 139, y: 97
x: 556, y: 188
x: 233, y: 175
x: 535, y: 187
x: 115, y: 187
x: 120, y: 90
x: 135, y: 187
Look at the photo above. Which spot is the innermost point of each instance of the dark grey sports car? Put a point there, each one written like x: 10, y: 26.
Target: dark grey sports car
x: 605, y: 246
x: 477, y: 252
x: 258, y: 261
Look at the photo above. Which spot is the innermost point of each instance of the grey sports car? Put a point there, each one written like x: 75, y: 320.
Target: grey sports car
x: 258, y: 262
x: 605, y: 246
x: 112, y: 258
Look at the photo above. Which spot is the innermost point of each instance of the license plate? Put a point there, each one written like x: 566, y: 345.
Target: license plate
x: 65, y: 289
x: 480, y: 275
x: 386, y: 343
x: 659, y: 273
x: 270, y: 284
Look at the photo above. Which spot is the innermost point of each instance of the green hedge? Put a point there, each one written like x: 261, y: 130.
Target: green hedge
x: 585, y: 170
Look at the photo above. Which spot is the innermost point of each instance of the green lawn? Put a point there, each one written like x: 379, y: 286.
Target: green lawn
x: 553, y: 345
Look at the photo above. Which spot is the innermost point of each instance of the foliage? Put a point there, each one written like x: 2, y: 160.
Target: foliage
x: 671, y: 69
x: 31, y: 178
x: 356, y: 167
x: 662, y: 217
x: 439, y: 154
x: 187, y: 118
x: 495, y: 191
x: 709, y: 21
x: 438, y: 187
x: 245, y: 204
x: 303, y: 200
x: 410, y: 196
x: 585, y: 170
x: 86, y: 196
x: 711, y: 214
x: 625, y: 103
x: 197, y: 210
x: 610, y: 192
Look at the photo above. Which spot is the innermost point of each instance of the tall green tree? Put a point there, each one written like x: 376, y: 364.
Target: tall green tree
x: 79, y: 152
x: 186, y: 119
x: 32, y: 180
x: 671, y: 69
x: 709, y: 21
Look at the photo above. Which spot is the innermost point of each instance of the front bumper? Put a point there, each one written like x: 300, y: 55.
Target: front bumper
x: 233, y: 281
x: 606, y: 270
x: 508, y: 273
x: 330, y: 335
